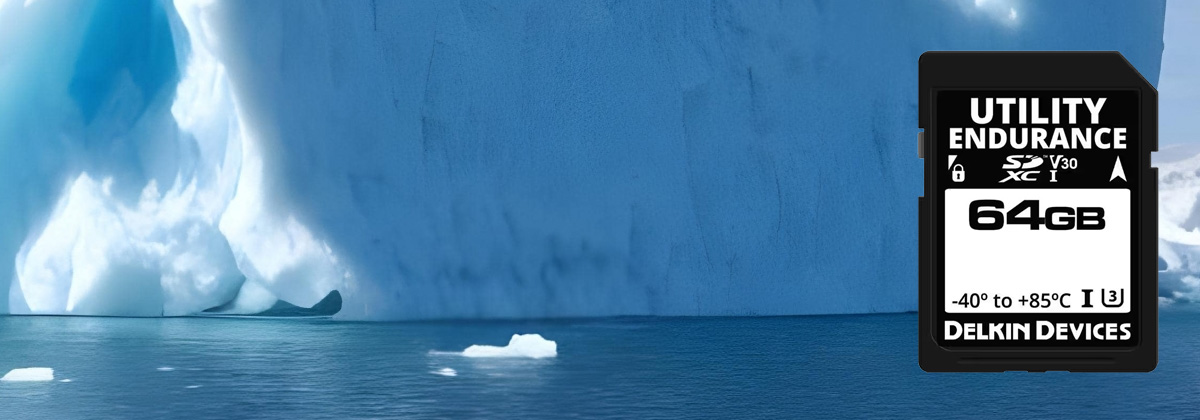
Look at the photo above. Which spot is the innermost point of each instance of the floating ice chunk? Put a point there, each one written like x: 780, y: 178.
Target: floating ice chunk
x: 65, y: 380
x: 445, y: 372
x: 520, y: 345
x: 193, y: 386
x: 165, y: 369
x: 33, y: 374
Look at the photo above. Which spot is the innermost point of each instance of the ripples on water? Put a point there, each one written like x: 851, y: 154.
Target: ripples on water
x: 825, y: 366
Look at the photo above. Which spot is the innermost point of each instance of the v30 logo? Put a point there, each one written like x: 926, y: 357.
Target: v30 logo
x: 1019, y: 168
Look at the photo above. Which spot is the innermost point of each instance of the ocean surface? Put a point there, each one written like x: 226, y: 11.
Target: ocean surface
x: 779, y: 367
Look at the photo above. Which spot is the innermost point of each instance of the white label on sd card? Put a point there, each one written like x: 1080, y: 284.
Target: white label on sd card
x: 1037, y: 250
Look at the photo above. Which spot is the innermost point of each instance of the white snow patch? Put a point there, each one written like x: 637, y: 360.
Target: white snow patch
x: 33, y: 374
x: 520, y: 345
x: 1001, y: 11
x: 445, y: 372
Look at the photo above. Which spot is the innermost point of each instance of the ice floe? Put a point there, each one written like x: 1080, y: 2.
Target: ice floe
x: 520, y: 345
x: 33, y: 374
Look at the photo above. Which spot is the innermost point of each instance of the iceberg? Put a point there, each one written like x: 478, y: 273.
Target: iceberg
x: 531, y: 346
x: 463, y: 160
x: 1178, y: 223
x: 33, y: 374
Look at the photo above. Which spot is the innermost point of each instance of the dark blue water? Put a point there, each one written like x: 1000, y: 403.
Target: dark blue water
x: 828, y: 366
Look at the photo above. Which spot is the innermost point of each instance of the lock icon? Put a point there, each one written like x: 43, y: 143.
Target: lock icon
x: 957, y: 174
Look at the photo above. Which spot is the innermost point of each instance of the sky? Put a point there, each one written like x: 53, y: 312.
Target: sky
x: 1179, y: 82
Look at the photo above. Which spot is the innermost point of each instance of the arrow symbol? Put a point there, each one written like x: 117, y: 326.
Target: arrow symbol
x: 1118, y: 172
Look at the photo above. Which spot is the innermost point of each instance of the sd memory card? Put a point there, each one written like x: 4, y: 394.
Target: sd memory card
x: 1039, y: 221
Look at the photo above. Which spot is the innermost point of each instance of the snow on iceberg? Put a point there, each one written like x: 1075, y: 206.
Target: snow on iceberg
x: 520, y: 345
x: 97, y: 256
x: 33, y: 374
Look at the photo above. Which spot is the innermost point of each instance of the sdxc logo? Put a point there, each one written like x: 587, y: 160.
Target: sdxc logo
x: 1018, y: 167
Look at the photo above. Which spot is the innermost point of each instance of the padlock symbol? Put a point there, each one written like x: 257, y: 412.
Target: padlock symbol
x: 957, y: 174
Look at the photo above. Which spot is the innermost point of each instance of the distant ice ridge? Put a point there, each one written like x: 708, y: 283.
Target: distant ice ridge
x: 33, y: 374
x: 520, y: 345
x: 165, y: 211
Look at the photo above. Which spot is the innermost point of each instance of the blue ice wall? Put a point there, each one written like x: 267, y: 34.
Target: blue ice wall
x: 587, y: 158
x: 580, y: 158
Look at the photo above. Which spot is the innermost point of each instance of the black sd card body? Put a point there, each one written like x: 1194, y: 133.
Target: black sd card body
x: 1039, y: 221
